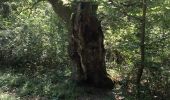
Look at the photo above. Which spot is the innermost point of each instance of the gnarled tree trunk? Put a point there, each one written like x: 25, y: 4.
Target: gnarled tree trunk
x: 86, y: 47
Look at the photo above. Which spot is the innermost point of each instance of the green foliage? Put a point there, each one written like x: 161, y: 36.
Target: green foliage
x: 33, y: 40
x: 49, y: 85
x: 34, y: 37
x: 121, y: 25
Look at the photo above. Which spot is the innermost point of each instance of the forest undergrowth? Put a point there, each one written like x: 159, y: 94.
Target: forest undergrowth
x: 45, y: 85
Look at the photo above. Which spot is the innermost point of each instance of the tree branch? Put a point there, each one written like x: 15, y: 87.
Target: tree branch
x: 123, y: 6
x: 63, y: 11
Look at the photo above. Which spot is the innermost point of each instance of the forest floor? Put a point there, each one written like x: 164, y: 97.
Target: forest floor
x: 19, y: 84
x: 52, y: 84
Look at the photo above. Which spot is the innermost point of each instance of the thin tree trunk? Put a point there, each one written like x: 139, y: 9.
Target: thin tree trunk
x: 142, y: 47
x: 87, y: 48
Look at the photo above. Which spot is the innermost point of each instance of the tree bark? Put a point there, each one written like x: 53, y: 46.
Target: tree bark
x: 142, y: 47
x: 86, y: 47
x: 63, y: 11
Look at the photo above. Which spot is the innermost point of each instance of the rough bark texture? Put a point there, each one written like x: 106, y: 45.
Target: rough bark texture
x: 87, y: 49
x: 63, y: 11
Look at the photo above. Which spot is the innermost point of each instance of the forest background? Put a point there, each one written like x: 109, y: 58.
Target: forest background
x: 35, y: 64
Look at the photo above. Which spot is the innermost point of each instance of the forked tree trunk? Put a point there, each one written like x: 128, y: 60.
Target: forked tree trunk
x: 142, y: 47
x: 86, y: 47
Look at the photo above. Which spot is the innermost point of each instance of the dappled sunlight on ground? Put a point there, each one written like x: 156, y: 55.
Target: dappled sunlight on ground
x: 8, y: 96
x: 52, y: 85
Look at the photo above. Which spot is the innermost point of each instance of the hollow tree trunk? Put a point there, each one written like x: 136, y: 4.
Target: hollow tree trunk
x: 86, y: 47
